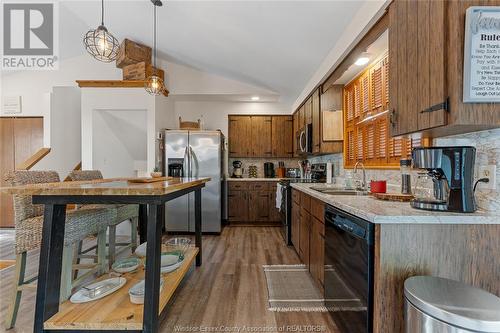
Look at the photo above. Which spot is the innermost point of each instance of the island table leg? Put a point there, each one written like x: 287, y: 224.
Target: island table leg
x: 197, y: 224
x: 143, y: 223
x: 50, y: 265
x: 152, y: 278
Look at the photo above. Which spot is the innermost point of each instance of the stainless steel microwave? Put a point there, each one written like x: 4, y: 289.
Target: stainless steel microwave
x: 305, y: 140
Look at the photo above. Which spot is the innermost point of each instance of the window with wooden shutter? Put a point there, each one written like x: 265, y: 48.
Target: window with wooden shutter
x: 357, y: 100
x: 365, y: 92
x: 366, y: 129
x: 349, y: 103
x: 349, y: 147
x: 376, y: 88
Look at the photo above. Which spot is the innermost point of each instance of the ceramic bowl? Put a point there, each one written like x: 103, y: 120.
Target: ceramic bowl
x: 126, y: 265
x: 140, y: 251
x: 136, y: 292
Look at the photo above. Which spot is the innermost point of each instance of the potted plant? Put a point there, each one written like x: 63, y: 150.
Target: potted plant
x: 156, y: 173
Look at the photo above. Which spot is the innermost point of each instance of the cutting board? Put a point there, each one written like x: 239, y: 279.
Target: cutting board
x: 148, y: 179
x: 393, y: 196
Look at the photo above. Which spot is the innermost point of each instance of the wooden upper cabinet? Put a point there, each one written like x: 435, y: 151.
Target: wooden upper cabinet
x: 282, y: 136
x: 261, y: 136
x: 417, y: 76
x: 316, y: 123
x: 295, y: 134
x: 308, y: 111
x: 240, y: 144
x: 330, y: 119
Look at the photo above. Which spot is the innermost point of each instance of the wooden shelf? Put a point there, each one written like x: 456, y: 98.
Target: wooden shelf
x: 115, y: 311
x: 114, y: 84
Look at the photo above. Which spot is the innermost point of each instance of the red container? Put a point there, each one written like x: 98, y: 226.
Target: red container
x: 378, y: 186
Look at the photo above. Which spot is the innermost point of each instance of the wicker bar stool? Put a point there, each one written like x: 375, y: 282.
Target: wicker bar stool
x: 123, y: 213
x: 28, y: 220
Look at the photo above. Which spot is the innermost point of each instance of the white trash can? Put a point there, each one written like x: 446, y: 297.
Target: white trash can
x: 437, y: 305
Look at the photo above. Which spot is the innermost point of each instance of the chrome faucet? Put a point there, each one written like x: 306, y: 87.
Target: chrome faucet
x: 363, y: 184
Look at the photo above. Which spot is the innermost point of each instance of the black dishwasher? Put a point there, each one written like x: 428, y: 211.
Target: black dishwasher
x: 349, y: 256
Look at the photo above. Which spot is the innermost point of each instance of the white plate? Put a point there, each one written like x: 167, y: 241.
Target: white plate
x: 81, y: 296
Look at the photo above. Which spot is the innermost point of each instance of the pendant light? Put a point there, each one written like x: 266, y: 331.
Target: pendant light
x: 101, y: 44
x: 154, y: 83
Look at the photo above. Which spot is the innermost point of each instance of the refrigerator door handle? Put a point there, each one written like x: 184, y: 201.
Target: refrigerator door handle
x: 194, y: 163
x: 185, y: 163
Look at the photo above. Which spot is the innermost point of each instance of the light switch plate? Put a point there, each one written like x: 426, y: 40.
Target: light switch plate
x: 488, y: 171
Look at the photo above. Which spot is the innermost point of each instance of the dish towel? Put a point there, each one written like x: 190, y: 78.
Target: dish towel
x: 278, y: 196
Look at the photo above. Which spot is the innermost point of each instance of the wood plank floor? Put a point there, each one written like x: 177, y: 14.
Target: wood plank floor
x: 228, y: 290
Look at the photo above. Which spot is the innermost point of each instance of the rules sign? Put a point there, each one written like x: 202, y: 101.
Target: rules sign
x: 482, y: 55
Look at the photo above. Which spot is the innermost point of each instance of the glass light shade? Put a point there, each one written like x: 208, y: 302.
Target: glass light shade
x: 154, y: 85
x: 102, y: 45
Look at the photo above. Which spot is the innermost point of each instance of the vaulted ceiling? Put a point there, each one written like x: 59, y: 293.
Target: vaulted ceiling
x: 276, y: 45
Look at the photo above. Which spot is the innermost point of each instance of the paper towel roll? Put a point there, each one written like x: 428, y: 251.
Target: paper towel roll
x: 329, y: 172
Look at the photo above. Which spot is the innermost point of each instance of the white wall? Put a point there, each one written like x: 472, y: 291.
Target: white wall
x: 119, y: 142
x: 63, y: 117
x: 110, y: 99
x: 214, y: 114
x: 32, y: 85
x: 360, y: 24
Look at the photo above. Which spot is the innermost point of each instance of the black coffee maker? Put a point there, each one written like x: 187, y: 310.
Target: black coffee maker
x: 451, y: 170
x: 269, y: 170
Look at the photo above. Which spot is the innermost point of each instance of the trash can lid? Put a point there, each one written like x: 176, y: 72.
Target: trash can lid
x: 455, y: 303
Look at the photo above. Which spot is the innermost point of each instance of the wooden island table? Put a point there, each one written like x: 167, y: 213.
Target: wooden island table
x: 113, y: 312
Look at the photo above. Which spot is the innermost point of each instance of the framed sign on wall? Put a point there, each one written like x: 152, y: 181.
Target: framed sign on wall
x: 482, y: 55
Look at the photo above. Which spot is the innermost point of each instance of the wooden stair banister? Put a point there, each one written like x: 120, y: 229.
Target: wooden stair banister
x: 33, y: 159
x: 77, y: 167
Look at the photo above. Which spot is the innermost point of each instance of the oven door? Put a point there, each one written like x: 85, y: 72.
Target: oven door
x: 348, y: 274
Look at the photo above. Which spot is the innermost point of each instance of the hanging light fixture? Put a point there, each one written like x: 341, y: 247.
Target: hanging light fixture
x: 101, y: 44
x: 154, y: 83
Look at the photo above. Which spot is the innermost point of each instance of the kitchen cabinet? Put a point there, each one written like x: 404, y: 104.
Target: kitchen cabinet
x: 239, y: 136
x: 252, y: 201
x: 261, y: 127
x: 317, y: 252
x: 259, y: 203
x: 417, y: 60
x: 260, y: 136
x: 308, y: 111
x: 308, y: 233
x: 426, y: 55
x: 302, y: 117
x: 304, y: 235
x: 295, y: 134
x: 238, y: 205
x: 316, y: 124
x: 282, y: 136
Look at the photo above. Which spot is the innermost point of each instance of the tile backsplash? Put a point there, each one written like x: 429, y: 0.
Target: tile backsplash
x: 259, y: 163
x: 487, y: 145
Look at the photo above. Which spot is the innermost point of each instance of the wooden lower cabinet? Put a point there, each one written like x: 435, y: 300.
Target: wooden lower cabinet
x: 317, y: 252
x: 304, y: 235
x: 308, y: 234
x: 237, y: 205
x: 250, y: 202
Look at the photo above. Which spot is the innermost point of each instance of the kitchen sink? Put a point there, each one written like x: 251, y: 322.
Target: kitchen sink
x: 339, y: 191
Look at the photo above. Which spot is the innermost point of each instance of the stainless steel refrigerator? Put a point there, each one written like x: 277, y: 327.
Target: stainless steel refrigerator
x: 196, y: 154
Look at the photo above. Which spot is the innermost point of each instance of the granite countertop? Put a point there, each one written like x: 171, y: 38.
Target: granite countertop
x: 248, y: 179
x: 385, y: 212
x: 114, y: 186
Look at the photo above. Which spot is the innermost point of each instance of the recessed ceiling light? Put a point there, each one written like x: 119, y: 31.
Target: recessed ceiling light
x: 362, y: 61
x: 255, y: 98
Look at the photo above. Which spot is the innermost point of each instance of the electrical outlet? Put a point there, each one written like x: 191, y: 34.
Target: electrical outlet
x: 488, y: 171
